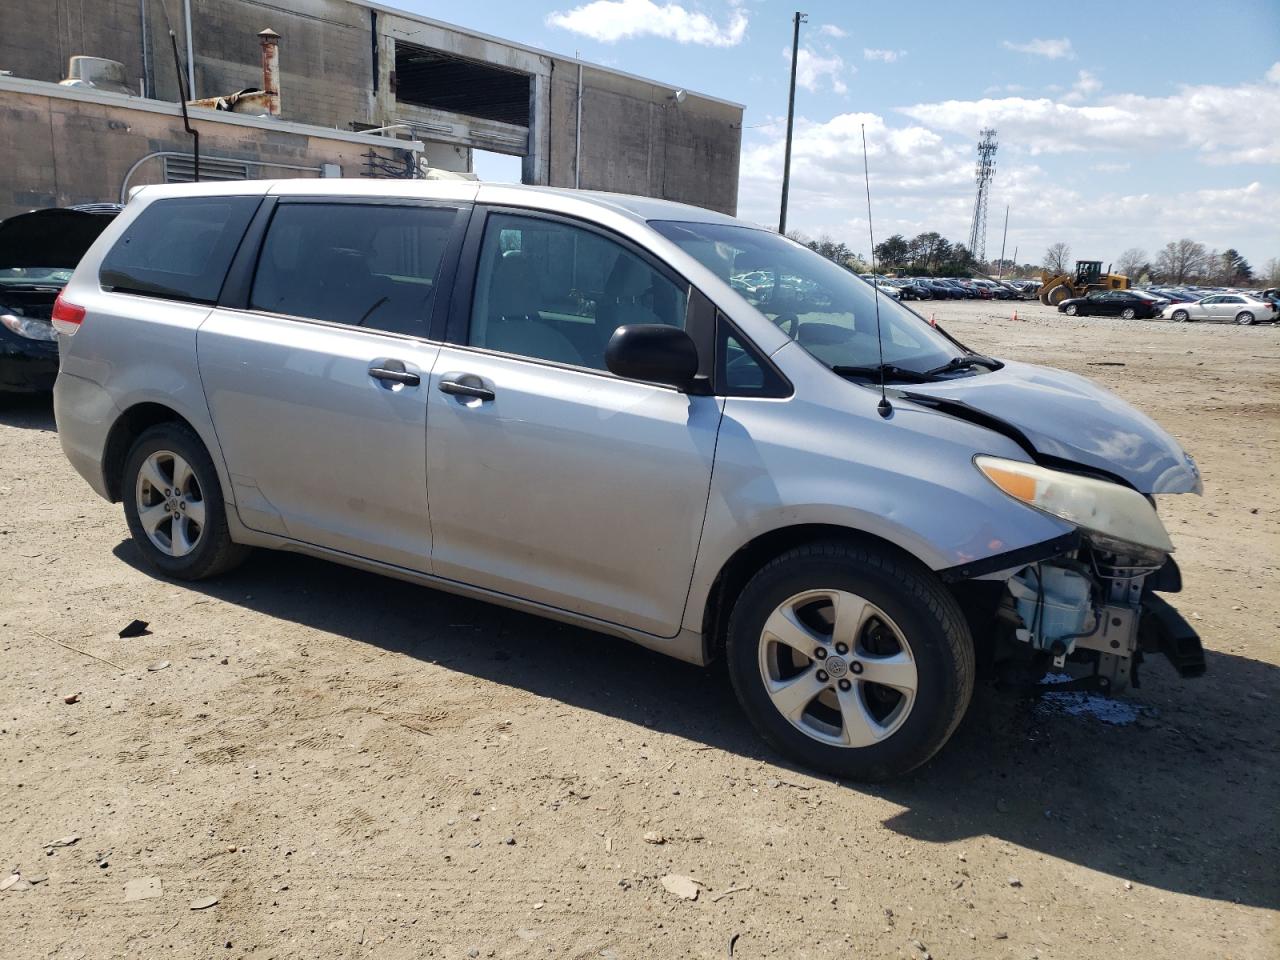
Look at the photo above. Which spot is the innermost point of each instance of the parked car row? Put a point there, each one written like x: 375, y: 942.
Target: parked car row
x: 953, y: 288
x: 1176, y: 305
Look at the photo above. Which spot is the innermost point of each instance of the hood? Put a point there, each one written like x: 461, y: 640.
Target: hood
x: 1070, y: 418
x: 56, y: 237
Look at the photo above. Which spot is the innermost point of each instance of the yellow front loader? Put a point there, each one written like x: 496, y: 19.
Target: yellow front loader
x: 1087, y: 279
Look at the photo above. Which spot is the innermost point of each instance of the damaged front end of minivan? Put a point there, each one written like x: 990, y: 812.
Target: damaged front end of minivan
x: 1089, y: 606
x: 1093, y: 610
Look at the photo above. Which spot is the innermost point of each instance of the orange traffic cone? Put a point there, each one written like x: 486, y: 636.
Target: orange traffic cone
x: 932, y: 320
x: 1015, y: 314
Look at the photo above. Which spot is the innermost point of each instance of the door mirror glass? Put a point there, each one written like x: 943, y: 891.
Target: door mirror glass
x: 653, y: 352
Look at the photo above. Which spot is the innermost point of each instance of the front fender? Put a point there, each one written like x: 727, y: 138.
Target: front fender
x: 908, y: 480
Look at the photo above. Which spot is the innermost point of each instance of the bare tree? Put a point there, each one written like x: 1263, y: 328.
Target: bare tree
x: 1132, y: 261
x: 1057, y: 257
x: 1182, y: 260
x: 1271, y: 272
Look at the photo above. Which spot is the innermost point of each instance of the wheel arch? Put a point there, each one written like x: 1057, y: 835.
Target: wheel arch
x: 124, y: 433
x: 753, y: 555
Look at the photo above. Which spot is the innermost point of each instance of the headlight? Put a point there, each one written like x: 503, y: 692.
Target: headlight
x: 1113, y: 512
x: 29, y: 328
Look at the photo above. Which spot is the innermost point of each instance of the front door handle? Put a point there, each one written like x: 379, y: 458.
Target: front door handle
x: 407, y: 377
x: 458, y: 388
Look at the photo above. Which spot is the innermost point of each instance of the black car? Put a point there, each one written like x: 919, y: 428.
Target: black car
x: 915, y: 290
x: 944, y: 291
x: 38, y: 252
x: 1129, y: 304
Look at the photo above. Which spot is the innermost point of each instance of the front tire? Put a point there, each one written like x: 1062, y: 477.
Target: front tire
x: 1072, y: 310
x: 850, y: 659
x: 1129, y: 313
x: 1180, y: 316
x: 174, y: 507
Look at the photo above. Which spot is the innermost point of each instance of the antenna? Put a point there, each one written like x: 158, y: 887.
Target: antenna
x: 883, y: 408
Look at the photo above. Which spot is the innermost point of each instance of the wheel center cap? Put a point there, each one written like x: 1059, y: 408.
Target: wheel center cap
x: 172, y: 504
x: 836, y: 667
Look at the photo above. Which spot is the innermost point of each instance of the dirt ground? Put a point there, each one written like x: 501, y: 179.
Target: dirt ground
x: 357, y: 767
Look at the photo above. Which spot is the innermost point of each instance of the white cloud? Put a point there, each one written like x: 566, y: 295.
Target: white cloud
x: 1224, y: 125
x: 922, y: 171
x: 813, y: 69
x: 831, y: 30
x: 885, y: 56
x: 1086, y: 85
x: 1059, y: 49
x: 612, y: 20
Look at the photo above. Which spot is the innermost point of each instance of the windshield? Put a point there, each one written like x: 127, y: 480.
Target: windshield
x: 823, y: 307
x: 51, y: 276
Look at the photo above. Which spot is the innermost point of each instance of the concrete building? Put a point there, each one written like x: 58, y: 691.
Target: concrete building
x: 434, y: 92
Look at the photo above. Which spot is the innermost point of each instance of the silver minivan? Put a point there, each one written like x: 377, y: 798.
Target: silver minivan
x: 637, y: 416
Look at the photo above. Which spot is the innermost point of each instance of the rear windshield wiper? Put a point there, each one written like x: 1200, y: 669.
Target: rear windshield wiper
x: 889, y: 371
x: 963, y: 363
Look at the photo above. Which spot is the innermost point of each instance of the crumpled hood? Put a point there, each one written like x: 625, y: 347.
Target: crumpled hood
x: 1071, y: 418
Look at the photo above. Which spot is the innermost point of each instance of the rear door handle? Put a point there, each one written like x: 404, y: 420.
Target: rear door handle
x: 407, y: 377
x: 458, y: 388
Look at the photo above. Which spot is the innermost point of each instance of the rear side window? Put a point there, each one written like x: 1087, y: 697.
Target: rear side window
x: 374, y: 266
x: 179, y: 249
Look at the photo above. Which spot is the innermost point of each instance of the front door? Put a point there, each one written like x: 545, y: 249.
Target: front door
x: 550, y: 479
x: 317, y: 384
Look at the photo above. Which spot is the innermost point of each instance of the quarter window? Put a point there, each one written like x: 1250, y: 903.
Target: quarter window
x: 365, y: 265
x: 552, y: 291
x: 179, y: 249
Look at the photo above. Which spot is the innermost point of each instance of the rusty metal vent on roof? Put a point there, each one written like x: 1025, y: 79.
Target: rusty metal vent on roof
x: 179, y: 169
x: 430, y: 78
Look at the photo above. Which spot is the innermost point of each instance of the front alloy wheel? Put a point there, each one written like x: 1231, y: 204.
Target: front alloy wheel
x: 1072, y: 310
x: 850, y: 658
x: 837, y: 667
x: 1129, y: 313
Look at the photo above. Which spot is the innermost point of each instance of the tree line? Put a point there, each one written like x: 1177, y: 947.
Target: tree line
x: 927, y: 254
x: 1178, y: 262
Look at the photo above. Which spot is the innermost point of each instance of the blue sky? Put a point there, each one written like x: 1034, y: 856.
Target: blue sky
x: 1147, y: 122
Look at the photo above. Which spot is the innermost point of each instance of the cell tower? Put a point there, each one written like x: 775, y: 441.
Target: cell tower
x: 983, y: 173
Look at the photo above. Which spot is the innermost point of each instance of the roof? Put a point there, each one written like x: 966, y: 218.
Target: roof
x: 445, y: 25
x: 633, y: 207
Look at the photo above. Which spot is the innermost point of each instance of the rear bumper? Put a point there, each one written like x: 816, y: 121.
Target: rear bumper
x: 84, y: 413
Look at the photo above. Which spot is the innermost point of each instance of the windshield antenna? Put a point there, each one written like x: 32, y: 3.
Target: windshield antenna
x: 883, y: 407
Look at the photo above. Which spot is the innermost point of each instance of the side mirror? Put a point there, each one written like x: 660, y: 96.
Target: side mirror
x: 653, y: 352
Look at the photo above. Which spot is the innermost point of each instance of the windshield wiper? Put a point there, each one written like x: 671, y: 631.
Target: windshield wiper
x: 889, y: 371
x: 963, y: 363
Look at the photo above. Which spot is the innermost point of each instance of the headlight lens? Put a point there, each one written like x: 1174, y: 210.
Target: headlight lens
x: 1114, y: 512
x: 28, y: 328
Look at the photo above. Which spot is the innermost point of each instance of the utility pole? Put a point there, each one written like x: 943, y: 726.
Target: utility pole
x: 791, y: 116
x: 1003, y: 237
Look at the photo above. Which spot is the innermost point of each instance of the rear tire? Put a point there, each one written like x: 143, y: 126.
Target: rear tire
x: 174, y: 507
x: 832, y: 712
x: 1244, y: 318
x: 1057, y: 295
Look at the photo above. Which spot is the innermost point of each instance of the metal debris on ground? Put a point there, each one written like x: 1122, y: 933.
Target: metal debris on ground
x: 684, y: 887
x: 158, y: 665
x: 134, y: 628
x: 204, y: 903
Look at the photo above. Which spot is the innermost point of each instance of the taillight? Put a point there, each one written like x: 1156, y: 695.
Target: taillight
x: 67, y: 316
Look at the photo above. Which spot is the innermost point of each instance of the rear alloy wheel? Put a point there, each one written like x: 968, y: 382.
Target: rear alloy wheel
x: 1180, y: 316
x: 174, y: 507
x: 851, y: 660
x: 1129, y: 313
x: 1244, y: 318
x: 1072, y: 310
